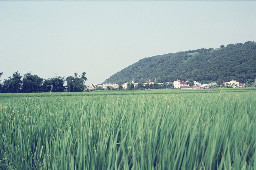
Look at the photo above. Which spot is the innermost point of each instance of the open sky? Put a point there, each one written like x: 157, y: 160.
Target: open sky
x: 63, y: 37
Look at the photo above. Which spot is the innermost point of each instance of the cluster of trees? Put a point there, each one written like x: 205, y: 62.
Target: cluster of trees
x: 33, y: 84
x: 235, y: 61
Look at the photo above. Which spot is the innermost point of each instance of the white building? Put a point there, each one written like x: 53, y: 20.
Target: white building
x: 232, y: 83
x: 197, y: 83
x: 180, y: 84
x: 113, y: 86
x: 125, y: 85
x: 207, y: 86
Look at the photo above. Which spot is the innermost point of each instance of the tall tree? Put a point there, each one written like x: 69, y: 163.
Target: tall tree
x: 0, y: 82
x: 83, y: 76
x: 57, y: 84
x: 31, y: 83
x: 191, y: 83
x: 130, y: 86
x: 53, y: 85
x: 47, y: 85
x: 70, y: 83
x: 12, y: 84
x: 76, y: 83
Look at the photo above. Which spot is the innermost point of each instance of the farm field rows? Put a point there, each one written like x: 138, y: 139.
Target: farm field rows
x: 147, y: 129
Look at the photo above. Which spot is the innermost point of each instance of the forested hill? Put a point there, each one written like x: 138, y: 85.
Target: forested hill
x: 235, y: 61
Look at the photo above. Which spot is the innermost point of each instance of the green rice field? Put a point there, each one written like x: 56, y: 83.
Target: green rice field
x: 144, y: 129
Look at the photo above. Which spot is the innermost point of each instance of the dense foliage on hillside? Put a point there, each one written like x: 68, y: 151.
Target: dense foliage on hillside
x: 235, y: 61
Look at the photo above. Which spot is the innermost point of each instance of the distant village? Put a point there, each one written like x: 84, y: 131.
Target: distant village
x: 178, y: 84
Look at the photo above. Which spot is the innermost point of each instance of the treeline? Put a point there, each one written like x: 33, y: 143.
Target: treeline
x: 234, y: 61
x: 30, y: 83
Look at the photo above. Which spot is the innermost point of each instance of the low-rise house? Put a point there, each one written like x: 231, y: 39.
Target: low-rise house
x: 148, y: 83
x: 179, y: 84
x: 92, y: 87
x: 111, y: 86
x: 241, y: 85
x: 232, y: 83
x: 207, y: 86
x: 196, y: 87
x: 197, y: 83
x: 176, y: 84
x: 135, y: 84
x: 125, y: 85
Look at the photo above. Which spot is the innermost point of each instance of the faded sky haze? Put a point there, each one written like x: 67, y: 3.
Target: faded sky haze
x: 63, y: 37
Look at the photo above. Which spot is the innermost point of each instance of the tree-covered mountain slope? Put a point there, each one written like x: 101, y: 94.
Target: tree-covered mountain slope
x: 235, y: 61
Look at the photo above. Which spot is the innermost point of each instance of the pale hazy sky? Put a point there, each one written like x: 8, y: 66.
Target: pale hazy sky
x: 101, y: 38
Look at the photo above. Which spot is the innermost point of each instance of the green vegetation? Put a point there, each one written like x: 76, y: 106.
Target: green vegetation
x: 235, y: 61
x: 148, y: 129
x: 34, y: 84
